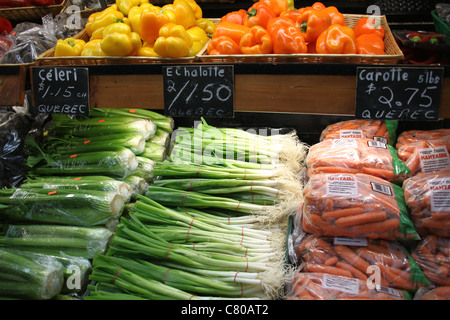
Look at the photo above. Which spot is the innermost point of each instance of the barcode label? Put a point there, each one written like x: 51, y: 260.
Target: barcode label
x: 347, y: 241
x: 376, y: 144
x: 381, y: 139
x: 387, y: 290
x: 382, y: 188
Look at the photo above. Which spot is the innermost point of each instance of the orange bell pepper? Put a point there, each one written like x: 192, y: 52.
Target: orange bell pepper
x: 277, y: 6
x: 335, y: 15
x: 336, y: 39
x: 305, y: 11
x: 233, y: 30
x: 151, y: 21
x: 294, y: 15
x: 370, y: 43
x: 234, y: 16
x: 258, y: 14
x: 318, y: 21
x: 288, y: 40
x: 223, y: 45
x: 256, y: 41
x: 281, y: 21
x: 368, y: 25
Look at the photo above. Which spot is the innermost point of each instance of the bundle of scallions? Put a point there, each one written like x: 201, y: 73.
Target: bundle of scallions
x: 174, y: 253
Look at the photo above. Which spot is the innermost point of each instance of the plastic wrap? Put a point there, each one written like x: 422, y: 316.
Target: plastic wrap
x: 427, y: 196
x: 356, y: 156
x: 439, y: 293
x: 13, y: 129
x: 355, y: 205
x: 360, y: 258
x: 62, y: 206
x: 321, y: 286
x: 380, y: 130
x: 424, y: 150
x: 29, y: 41
x: 25, y: 275
x: 432, y: 255
x: 85, y: 242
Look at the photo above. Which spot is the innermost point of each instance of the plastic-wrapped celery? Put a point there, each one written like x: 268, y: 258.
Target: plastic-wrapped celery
x: 24, y: 275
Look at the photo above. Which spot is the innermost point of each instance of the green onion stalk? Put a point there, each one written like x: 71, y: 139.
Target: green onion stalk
x: 70, y: 144
x: 161, y: 138
x: 29, y: 276
x: 160, y: 120
x: 90, y: 127
x: 85, y: 242
x: 61, y: 206
x: 139, y: 185
x: 145, y: 169
x: 154, y: 151
x: 177, y: 198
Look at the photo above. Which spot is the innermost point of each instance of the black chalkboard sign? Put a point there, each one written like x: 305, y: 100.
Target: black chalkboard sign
x: 199, y: 91
x: 61, y: 90
x: 399, y: 93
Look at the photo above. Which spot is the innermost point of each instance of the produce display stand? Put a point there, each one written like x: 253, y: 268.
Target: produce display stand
x: 13, y: 80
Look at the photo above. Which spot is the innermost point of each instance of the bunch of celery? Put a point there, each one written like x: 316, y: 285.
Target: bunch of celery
x: 200, y: 253
x: 85, y: 242
x: 61, y: 206
x: 25, y: 275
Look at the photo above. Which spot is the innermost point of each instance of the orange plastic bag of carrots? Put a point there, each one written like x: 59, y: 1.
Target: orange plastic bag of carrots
x: 380, y: 130
x: 321, y: 286
x: 438, y: 293
x: 427, y: 196
x: 361, y: 259
x: 424, y: 150
x: 355, y: 205
x: 356, y: 156
x: 432, y: 254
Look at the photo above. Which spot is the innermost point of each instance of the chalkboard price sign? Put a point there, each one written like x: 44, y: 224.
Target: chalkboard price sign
x: 199, y: 91
x: 399, y: 93
x: 61, y: 90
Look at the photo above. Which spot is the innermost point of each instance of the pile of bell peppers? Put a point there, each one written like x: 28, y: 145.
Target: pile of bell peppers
x: 276, y: 26
x: 139, y: 28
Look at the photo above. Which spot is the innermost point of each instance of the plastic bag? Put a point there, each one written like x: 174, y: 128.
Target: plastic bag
x: 424, y: 150
x: 380, y: 130
x: 378, y: 262
x: 321, y: 286
x: 439, y: 293
x: 432, y: 255
x: 355, y: 205
x: 427, y: 196
x: 356, y: 156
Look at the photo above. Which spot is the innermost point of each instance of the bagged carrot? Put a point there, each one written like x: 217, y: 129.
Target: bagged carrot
x: 438, y: 293
x: 427, y: 196
x: 355, y: 205
x: 380, y: 130
x: 378, y: 262
x: 424, y: 150
x: 322, y: 286
x: 356, y: 156
x: 432, y: 255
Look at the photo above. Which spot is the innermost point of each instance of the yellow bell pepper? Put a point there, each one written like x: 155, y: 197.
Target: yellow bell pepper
x: 134, y: 15
x: 95, y: 29
x: 95, y: 15
x: 173, y: 41
x: 69, y: 47
x: 151, y: 21
x: 92, y: 49
x: 199, y: 39
x: 206, y: 25
x: 125, y: 5
x: 147, y: 51
x: 119, y: 40
x: 198, y: 13
x: 183, y: 12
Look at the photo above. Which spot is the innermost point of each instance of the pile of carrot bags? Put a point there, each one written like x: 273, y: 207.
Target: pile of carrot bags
x: 375, y: 221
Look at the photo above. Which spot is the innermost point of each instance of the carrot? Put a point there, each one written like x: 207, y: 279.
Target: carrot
x: 382, y: 173
x: 361, y: 219
x: 381, y: 226
x: 352, y: 258
x: 355, y: 272
x: 327, y: 269
x: 381, y: 132
x: 334, y: 169
x: 323, y: 245
x: 374, y: 257
x: 342, y: 213
x: 443, y: 292
x: 395, y: 280
x: 331, y: 261
x: 431, y: 223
